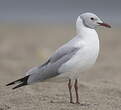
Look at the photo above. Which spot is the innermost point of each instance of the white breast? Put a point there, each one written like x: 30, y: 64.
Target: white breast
x: 85, y: 57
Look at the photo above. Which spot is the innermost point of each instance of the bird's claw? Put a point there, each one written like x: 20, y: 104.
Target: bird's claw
x: 77, y: 102
x: 71, y: 102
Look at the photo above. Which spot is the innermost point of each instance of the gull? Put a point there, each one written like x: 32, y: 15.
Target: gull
x: 77, y: 55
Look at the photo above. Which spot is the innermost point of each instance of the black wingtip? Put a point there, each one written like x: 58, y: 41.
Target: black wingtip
x: 14, y: 82
x: 22, y: 81
x: 9, y: 84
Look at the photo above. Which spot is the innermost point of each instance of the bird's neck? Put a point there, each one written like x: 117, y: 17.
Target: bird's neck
x: 84, y: 31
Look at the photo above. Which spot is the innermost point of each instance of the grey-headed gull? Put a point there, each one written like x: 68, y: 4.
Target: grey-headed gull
x: 77, y: 55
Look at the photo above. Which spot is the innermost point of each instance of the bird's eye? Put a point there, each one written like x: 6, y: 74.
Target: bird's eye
x: 92, y: 18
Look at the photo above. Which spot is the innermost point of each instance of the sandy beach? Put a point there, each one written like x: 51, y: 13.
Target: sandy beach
x: 25, y: 46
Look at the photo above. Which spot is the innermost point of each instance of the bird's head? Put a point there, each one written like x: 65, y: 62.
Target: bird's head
x: 90, y: 20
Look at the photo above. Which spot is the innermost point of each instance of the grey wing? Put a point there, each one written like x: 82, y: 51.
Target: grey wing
x: 60, y: 53
x: 50, y: 68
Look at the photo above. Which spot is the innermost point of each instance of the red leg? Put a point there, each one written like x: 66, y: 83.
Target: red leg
x: 76, y: 90
x: 70, y: 87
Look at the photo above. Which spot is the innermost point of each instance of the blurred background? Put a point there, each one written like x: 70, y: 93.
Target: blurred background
x: 62, y: 11
x: 31, y: 30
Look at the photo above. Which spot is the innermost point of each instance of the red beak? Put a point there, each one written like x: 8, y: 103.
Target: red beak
x: 105, y: 25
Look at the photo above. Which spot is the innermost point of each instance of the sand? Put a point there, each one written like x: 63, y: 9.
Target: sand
x: 25, y: 46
